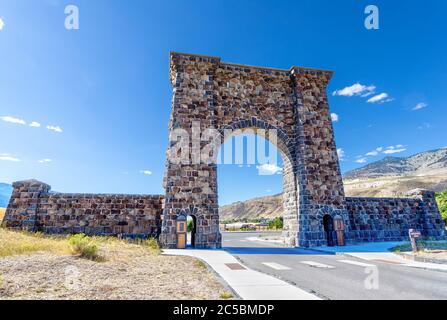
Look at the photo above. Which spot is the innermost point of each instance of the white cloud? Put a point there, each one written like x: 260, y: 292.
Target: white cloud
x: 395, y: 149
x: 334, y: 117
x: 341, y: 154
x: 35, y: 124
x: 361, y: 160
x: 45, y: 161
x: 146, y: 172
x: 380, y: 98
x: 13, y: 120
x: 268, y: 169
x: 8, y: 157
x: 372, y: 153
x: 420, y: 105
x: 2, y: 24
x: 356, y: 89
x: 54, y: 128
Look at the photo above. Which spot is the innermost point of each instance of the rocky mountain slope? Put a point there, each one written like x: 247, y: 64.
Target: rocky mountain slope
x: 420, y: 163
x: 263, y: 207
x: 390, y: 177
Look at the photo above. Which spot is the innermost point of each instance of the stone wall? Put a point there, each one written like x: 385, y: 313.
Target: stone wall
x: 389, y: 219
x: 34, y: 208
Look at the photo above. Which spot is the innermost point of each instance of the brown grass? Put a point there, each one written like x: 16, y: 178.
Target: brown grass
x: 34, y: 266
x: 2, y: 214
x: 14, y: 243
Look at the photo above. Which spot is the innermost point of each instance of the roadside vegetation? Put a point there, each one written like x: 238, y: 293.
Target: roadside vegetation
x: 91, y: 248
x: 441, y: 198
x: 16, y: 243
x: 38, y: 266
x: 423, y: 246
x: 276, y: 224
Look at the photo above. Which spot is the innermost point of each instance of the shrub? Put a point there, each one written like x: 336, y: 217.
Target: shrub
x: 226, y: 296
x: 190, y: 225
x: 441, y: 198
x: 84, y: 246
x: 200, y: 264
x: 152, y: 245
x: 276, y: 224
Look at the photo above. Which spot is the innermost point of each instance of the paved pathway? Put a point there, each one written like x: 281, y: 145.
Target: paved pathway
x: 247, y: 283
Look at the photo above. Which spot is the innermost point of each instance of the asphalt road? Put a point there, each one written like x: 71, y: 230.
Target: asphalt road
x: 336, y: 276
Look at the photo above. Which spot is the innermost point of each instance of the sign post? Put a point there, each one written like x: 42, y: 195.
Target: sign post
x: 414, y: 235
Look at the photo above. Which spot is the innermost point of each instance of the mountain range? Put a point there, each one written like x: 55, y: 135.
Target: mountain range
x: 389, y: 177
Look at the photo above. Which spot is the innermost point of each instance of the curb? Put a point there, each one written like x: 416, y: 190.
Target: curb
x: 421, y: 259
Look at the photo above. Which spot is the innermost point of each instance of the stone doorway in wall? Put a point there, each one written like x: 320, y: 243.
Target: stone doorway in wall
x: 328, y: 224
x: 255, y: 194
x: 192, y: 231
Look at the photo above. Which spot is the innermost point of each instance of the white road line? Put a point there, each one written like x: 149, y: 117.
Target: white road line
x: 356, y: 263
x: 317, y: 265
x: 276, y: 266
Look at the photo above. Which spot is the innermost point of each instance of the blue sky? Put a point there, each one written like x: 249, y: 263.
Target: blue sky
x: 104, y: 90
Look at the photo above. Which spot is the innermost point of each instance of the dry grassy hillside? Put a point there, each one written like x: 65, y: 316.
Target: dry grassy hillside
x: 385, y: 186
x: 253, y: 209
x: 395, y: 186
x: 2, y: 213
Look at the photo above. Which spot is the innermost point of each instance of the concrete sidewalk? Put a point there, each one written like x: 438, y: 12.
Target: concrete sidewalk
x: 247, y: 283
x: 380, y: 252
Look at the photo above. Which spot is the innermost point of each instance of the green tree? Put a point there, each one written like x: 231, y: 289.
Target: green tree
x: 190, y: 225
x: 276, y: 223
x: 441, y: 198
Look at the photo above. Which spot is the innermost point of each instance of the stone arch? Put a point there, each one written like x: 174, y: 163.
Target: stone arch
x: 216, y: 95
x: 290, y: 180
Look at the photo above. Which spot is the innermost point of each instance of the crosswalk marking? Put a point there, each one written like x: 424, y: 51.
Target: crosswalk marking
x: 276, y: 266
x: 317, y: 265
x: 357, y: 263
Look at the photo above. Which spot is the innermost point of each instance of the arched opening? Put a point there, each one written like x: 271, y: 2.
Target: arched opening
x: 255, y: 195
x: 328, y: 225
x: 192, y: 230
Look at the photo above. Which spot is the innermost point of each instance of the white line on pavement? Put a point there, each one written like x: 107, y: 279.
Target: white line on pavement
x: 276, y: 266
x: 356, y: 263
x: 317, y: 265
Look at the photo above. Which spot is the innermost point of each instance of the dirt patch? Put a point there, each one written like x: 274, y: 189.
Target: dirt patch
x: 129, y: 272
